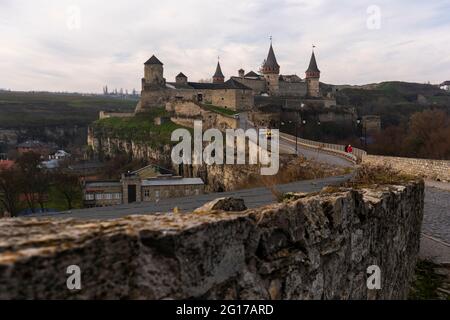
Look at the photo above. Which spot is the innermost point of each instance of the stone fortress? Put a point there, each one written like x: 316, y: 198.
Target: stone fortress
x: 240, y: 93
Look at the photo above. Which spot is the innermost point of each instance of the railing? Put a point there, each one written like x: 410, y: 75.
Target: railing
x: 337, y: 149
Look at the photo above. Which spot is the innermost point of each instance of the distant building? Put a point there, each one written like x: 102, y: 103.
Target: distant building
x: 59, y: 155
x: 36, y: 146
x: 237, y: 93
x: 50, y: 164
x: 371, y: 124
x: 86, y: 168
x: 102, y: 193
x: 445, y: 85
x: 149, y: 184
x: 156, y: 91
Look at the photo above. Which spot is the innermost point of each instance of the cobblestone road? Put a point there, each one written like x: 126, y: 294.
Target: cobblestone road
x: 436, y: 220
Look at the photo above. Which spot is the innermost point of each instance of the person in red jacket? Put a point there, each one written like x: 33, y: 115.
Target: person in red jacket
x: 349, y: 149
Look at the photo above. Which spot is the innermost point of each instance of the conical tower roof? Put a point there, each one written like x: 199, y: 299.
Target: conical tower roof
x: 218, y: 73
x: 313, y: 64
x: 271, y: 61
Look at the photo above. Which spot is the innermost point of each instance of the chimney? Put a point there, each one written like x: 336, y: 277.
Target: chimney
x: 241, y: 73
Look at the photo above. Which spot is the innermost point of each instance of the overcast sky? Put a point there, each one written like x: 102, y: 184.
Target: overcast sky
x: 81, y: 45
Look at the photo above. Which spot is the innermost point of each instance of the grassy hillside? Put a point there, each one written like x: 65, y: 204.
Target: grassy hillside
x: 140, y: 128
x: 28, y: 110
x: 394, y: 101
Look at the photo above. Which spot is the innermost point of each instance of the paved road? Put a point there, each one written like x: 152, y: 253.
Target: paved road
x: 253, y: 198
x: 436, y: 220
x: 286, y: 146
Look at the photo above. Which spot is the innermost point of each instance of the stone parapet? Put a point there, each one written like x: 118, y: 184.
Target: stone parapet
x: 432, y: 169
x: 315, y: 247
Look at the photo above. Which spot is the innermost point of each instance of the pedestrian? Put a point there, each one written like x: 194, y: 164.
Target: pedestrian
x: 349, y: 149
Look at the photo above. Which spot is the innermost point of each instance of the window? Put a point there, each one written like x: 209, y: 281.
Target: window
x: 89, y: 196
x: 99, y: 196
x: 117, y: 196
x: 197, y: 192
x: 157, y: 194
x: 146, y: 193
x: 108, y: 196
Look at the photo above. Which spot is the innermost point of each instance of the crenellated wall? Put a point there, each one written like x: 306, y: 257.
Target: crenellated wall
x: 315, y: 247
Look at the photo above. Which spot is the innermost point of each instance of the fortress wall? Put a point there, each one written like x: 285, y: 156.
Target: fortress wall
x: 258, y: 86
x: 293, y: 89
x: 432, y: 169
x: 244, y: 100
x: 316, y: 247
x: 224, y: 98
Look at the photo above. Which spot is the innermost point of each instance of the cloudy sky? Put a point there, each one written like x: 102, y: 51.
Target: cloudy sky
x: 81, y: 45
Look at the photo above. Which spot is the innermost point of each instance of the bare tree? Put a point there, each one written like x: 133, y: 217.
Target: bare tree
x: 68, y: 186
x: 10, y: 190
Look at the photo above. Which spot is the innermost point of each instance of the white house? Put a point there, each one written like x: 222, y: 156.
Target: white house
x: 445, y: 85
x: 60, y: 155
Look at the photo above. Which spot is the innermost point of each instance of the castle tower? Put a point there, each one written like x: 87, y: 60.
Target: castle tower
x: 153, y: 73
x: 312, y: 78
x: 218, y: 77
x: 181, y: 78
x: 271, y: 72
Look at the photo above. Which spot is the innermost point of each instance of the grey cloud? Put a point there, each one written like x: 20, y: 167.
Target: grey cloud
x: 116, y: 37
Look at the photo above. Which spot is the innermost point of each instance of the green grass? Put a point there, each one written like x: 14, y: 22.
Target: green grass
x: 28, y: 110
x: 140, y: 128
x: 57, y: 201
x: 220, y: 110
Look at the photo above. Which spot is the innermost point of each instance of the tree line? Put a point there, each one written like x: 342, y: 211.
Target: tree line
x: 27, y: 185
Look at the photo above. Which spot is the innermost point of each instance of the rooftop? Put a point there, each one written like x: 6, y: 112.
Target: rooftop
x: 103, y: 184
x: 153, y: 60
x: 172, y: 182
x: 313, y: 64
x: 271, y: 61
x: 218, y: 73
x: 252, y: 74
x: 229, y: 84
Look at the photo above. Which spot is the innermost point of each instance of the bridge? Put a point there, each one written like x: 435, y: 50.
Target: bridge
x: 436, y: 223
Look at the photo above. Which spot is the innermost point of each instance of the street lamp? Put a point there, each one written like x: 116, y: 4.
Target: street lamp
x: 361, y: 127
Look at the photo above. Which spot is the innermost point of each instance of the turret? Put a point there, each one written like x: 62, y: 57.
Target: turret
x: 271, y: 72
x: 154, y: 72
x: 312, y: 78
x: 181, y: 78
x: 218, y: 76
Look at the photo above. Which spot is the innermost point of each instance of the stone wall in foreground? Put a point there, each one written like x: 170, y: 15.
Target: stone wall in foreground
x: 315, y: 247
x: 432, y: 169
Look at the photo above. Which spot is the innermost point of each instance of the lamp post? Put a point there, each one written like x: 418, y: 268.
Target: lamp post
x: 362, y: 131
